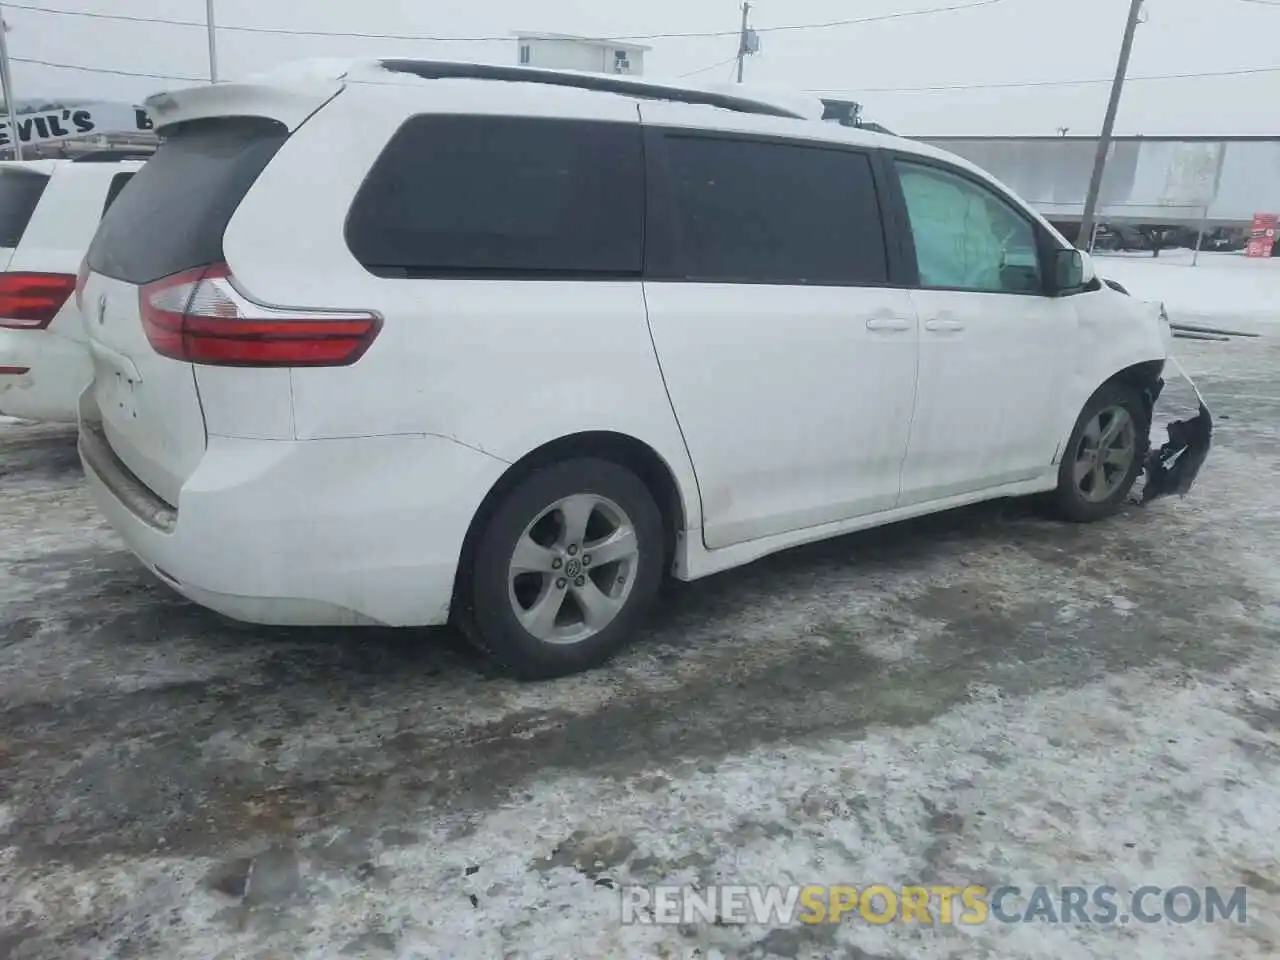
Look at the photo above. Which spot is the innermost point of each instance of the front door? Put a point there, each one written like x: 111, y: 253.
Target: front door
x: 789, y: 360
x: 995, y: 348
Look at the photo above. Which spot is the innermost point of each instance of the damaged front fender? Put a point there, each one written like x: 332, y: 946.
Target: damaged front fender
x: 1174, y: 466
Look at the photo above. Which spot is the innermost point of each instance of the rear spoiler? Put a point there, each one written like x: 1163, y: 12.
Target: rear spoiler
x: 290, y: 104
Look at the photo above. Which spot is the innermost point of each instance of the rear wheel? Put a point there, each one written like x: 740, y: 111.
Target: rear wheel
x: 565, y: 568
x: 1104, y: 456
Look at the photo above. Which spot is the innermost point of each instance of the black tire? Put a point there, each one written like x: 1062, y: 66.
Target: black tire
x: 1068, y: 501
x: 488, y: 618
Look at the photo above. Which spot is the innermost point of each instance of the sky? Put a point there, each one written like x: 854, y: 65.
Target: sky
x: 1038, y: 43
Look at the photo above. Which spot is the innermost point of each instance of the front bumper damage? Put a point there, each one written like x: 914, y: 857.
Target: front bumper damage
x: 1174, y: 466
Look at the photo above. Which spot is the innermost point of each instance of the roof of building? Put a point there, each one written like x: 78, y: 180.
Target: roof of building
x: 594, y: 41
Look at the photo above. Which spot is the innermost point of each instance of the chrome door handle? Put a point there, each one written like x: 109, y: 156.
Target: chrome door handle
x: 944, y: 325
x: 888, y: 323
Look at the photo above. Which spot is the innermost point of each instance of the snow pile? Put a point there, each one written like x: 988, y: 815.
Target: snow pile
x: 1222, y: 288
x: 787, y: 98
x: 311, y: 70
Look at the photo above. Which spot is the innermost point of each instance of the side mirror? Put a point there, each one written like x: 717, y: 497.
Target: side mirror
x: 1069, y: 270
x: 1090, y: 272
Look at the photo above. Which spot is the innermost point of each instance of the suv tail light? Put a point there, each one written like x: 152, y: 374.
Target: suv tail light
x: 199, y: 316
x: 30, y: 301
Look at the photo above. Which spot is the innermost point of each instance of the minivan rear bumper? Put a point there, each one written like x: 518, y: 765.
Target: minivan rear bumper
x: 364, y: 530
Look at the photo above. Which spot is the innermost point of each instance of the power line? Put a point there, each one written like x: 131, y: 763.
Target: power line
x: 288, y: 31
x: 173, y: 76
x: 1013, y: 84
x: 1263, y: 3
x: 285, y: 31
x: 876, y: 19
x: 709, y: 68
x: 118, y: 73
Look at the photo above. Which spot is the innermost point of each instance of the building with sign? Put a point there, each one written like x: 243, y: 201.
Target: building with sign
x: 60, y: 128
x: 558, y: 51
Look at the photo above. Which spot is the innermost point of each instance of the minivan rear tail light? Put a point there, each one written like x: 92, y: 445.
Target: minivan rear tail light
x: 30, y: 301
x: 199, y: 316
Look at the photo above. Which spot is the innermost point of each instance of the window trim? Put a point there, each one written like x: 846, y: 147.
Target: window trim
x: 256, y: 142
x: 1043, y: 240
x: 662, y: 221
x: 113, y: 192
x: 523, y: 274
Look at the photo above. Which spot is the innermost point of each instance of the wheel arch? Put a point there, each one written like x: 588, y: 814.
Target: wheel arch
x: 1144, y: 376
x: 1139, y: 384
x: 643, y: 460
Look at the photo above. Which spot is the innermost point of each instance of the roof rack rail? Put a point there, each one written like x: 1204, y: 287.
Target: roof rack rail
x: 110, y: 156
x: 604, y: 83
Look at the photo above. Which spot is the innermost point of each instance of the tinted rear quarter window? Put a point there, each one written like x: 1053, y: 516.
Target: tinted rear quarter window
x: 750, y: 211
x: 179, y: 204
x: 113, y: 189
x: 460, y: 196
x: 20, y: 191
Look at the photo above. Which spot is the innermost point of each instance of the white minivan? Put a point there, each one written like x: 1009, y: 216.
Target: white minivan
x: 49, y: 210
x: 406, y: 342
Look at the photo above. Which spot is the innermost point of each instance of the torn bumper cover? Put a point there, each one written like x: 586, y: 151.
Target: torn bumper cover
x: 1173, y: 467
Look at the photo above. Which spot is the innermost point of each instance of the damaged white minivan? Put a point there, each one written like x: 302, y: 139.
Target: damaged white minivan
x: 405, y: 342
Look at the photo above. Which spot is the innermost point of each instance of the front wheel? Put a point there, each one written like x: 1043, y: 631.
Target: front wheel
x: 565, y: 568
x: 1104, y: 455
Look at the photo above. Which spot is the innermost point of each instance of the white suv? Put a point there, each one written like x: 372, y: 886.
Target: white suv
x: 49, y: 210
x: 414, y: 342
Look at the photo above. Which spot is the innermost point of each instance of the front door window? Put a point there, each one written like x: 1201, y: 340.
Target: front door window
x: 966, y: 237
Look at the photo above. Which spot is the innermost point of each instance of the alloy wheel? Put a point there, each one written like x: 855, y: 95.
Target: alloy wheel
x: 1105, y: 454
x: 573, y: 568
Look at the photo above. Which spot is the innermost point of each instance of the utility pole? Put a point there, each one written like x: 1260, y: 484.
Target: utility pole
x: 742, y: 39
x: 6, y: 78
x: 1108, y: 125
x: 213, y: 41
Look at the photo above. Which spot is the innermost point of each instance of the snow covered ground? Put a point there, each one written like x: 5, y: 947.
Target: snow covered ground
x: 1221, y: 288
x: 983, y: 697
